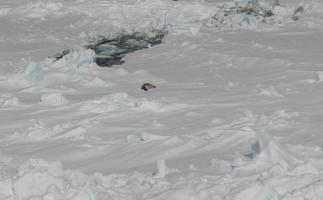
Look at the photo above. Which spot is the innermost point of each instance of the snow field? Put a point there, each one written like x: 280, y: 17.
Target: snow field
x: 277, y: 173
x: 235, y: 115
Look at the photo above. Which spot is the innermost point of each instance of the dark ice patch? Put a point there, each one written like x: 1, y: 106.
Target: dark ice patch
x: 109, y: 52
x: 297, y: 13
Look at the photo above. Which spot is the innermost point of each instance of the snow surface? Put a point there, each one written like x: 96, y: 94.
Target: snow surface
x: 236, y: 114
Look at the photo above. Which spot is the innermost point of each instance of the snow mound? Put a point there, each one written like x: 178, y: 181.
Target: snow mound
x: 284, y: 176
x: 8, y: 100
x: 271, y: 92
x: 38, y: 179
x: 77, y: 67
x: 109, y: 103
x: 279, y: 171
x: 53, y: 99
x: 269, y: 152
x: 39, y: 130
x: 43, y: 180
x: 145, y: 105
x: 119, y: 101
x: 97, y: 82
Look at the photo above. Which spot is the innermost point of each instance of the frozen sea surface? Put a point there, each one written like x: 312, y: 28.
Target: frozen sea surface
x: 236, y: 114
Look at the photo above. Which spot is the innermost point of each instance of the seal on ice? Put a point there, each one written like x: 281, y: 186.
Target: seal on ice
x: 147, y: 86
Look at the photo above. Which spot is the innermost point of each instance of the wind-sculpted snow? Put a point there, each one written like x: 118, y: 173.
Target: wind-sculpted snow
x: 121, y: 100
x: 235, y: 115
x: 278, y: 173
x: 7, y: 100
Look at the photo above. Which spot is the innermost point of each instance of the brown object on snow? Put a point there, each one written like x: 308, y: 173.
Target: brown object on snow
x: 147, y: 86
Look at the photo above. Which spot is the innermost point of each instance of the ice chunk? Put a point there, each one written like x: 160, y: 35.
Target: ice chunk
x: 9, y: 101
x: 111, y: 51
x: 161, y: 169
x: 280, y: 11
x: 53, y: 99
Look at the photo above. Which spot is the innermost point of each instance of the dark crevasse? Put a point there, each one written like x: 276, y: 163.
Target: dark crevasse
x: 109, y: 52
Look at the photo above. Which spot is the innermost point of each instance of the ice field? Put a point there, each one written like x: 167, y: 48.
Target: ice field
x: 235, y: 115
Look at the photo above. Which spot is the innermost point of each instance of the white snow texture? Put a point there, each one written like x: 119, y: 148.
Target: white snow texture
x: 235, y: 115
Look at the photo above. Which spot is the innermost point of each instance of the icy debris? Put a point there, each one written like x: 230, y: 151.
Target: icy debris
x: 285, y: 184
x: 37, y: 9
x: 34, y: 72
x: 59, y: 55
x: 252, y: 13
x: 109, y: 103
x: 97, y: 82
x: 39, y: 130
x: 267, y: 154
x: 269, y: 91
x: 274, y: 152
x: 79, y: 61
x: 221, y: 166
x: 161, y: 169
x: 256, y: 191
x: 145, y: 105
x: 8, y: 100
x: 189, y: 28
x: 279, y: 171
x: 319, y: 76
x: 280, y: 11
x: 110, y: 51
x: 53, y: 99
x: 78, y: 66
x: 38, y: 179
x: 122, y: 100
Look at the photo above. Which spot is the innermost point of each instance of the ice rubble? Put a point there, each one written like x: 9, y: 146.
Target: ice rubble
x: 121, y: 101
x: 277, y: 165
x: 75, y: 67
x: 253, y: 13
x: 8, y: 100
x: 40, y: 131
x: 285, y: 175
x: 53, y: 99
x: 109, y: 50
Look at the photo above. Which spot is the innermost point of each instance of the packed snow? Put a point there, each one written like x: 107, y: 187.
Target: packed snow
x: 235, y: 114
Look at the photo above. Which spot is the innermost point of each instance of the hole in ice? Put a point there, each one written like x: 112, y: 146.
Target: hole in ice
x: 110, y: 52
